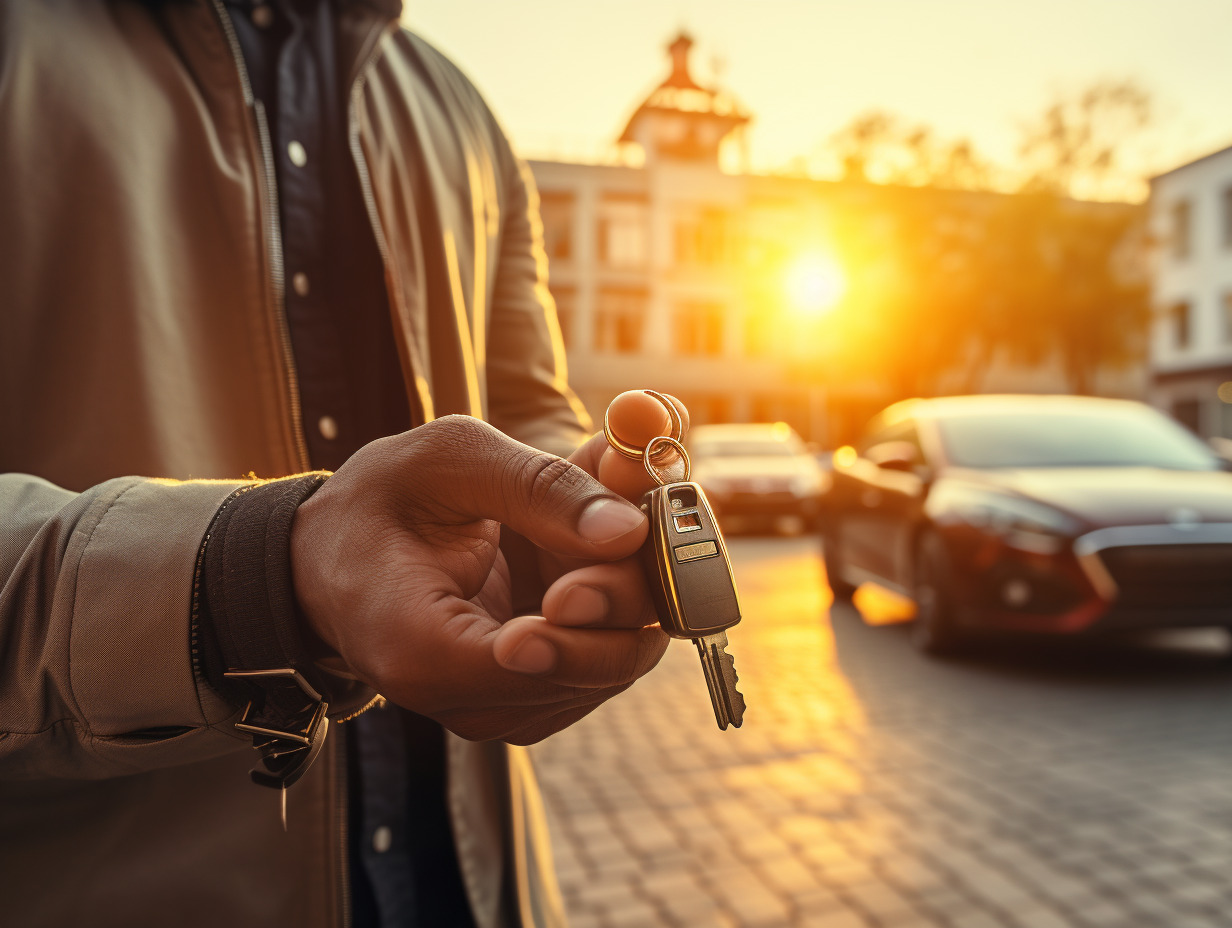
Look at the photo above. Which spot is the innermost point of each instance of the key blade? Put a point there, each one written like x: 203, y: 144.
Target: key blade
x: 721, y: 680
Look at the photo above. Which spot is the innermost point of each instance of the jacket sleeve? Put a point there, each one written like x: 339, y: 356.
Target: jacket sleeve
x: 96, y: 654
x: 528, y: 381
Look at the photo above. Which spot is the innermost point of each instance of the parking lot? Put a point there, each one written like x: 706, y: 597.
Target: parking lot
x: 1025, y: 784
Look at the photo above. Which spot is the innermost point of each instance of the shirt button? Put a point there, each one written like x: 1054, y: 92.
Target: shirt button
x: 327, y: 427
x: 382, y: 838
x: 299, y: 283
x: 262, y: 16
x: 297, y: 153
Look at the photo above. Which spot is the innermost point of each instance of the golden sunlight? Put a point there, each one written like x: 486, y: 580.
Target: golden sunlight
x: 815, y: 284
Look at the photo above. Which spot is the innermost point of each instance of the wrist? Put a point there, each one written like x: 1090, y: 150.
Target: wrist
x: 250, y: 617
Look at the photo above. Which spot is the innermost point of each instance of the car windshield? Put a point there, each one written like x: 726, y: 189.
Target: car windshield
x: 743, y: 449
x: 1073, y: 438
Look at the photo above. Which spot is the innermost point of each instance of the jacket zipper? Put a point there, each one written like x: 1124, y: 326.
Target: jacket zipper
x: 273, y: 234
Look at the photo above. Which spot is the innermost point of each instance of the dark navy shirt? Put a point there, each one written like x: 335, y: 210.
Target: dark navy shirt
x: 350, y: 383
x: 403, y: 863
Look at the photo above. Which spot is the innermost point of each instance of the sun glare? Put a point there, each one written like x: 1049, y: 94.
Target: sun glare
x: 815, y: 284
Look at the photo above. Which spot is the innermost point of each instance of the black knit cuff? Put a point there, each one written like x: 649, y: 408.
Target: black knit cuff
x: 245, y: 610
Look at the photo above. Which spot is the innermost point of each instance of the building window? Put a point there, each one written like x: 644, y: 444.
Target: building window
x: 619, y: 319
x: 705, y: 239
x: 758, y: 336
x: 622, y: 232
x: 707, y: 408
x: 566, y: 312
x: 1227, y: 217
x: 557, y: 212
x: 1181, y: 324
x: 698, y: 329
x: 1181, y: 235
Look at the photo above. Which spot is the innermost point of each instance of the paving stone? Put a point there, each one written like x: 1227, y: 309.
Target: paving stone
x: 851, y: 873
x: 818, y: 900
x: 976, y: 918
x: 878, y: 899
x: 1087, y: 785
x: 1039, y: 918
x: 787, y: 875
x: 832, y: 919
x: 753, y: 904
x: 604, y: 894
x: 632, y: 913
x: 911, y: 874
x: 585, y: 920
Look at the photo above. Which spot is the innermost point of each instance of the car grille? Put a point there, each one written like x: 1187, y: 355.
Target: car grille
x: 1171, y: 575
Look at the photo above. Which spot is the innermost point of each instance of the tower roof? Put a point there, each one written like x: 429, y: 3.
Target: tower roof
x: 681, y: 97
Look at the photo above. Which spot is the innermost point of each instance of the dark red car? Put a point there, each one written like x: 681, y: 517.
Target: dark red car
x: 1054, y: 514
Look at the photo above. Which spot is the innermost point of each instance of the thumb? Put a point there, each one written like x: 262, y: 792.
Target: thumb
x: 474, y: 471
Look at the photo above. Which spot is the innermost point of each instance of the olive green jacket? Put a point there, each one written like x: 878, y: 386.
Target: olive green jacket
x: 145, y: 372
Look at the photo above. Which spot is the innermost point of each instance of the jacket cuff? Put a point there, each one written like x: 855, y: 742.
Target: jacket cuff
x: 245, y: 614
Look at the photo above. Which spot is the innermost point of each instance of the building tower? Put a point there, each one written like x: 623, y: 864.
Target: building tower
x: 682, y: 120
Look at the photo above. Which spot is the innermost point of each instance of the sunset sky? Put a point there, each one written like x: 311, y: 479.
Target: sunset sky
x: 563, y: 75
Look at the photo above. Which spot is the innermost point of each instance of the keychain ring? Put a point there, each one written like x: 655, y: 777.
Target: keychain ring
x: 633, y: 451
x: 648, y: 457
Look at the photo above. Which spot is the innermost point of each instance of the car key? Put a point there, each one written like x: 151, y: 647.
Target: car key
x: 691, y: 581
x: 686, y: 563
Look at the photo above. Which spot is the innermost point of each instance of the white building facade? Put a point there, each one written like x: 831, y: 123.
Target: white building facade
x: 1191, y: 337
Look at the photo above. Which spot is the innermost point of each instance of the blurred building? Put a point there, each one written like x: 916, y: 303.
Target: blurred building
x: 1191, y: 338
x: 673, y: 274
x: 648, y: 264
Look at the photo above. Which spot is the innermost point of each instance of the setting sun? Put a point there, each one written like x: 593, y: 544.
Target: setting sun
x: 815, y: 284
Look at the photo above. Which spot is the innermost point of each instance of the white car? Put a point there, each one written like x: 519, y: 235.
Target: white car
x: 759, y: 471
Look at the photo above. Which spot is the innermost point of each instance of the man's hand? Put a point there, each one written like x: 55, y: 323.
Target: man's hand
x: 397, y: 568
x: 610, y: 593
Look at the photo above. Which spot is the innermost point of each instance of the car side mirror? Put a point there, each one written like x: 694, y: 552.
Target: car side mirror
x: 895, y: 455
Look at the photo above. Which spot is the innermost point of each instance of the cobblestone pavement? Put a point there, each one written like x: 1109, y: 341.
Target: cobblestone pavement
x: 1037, y: 786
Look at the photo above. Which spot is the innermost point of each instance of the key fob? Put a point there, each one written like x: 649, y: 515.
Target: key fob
x: 687, y: 564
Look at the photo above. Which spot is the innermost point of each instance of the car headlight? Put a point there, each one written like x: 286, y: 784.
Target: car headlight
x: 1021, y: 523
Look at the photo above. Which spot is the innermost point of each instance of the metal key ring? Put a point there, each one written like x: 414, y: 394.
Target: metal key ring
x: 672, y: 444
x: 633, y: 451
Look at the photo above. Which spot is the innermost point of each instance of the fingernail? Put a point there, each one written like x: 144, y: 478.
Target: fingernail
x: 532, y: 655
x: 607, y: 519
x: 582, y: 605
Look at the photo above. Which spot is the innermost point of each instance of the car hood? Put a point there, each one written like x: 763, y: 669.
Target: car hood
x: 1106, y: 496
x: 750, y: 467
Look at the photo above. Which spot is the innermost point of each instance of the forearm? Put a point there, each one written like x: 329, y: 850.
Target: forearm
x: 96, y: 667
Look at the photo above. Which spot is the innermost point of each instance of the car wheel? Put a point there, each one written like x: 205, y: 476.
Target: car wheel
x: 842, y: 590
x: 933, y: 631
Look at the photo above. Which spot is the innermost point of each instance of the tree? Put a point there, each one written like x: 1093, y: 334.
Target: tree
x: 1078, y: 146
x: 958, y: 278
x: 883, y: 148
x: 1070, y: 290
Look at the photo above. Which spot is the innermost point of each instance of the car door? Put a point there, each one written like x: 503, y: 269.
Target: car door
x: 891, y: 478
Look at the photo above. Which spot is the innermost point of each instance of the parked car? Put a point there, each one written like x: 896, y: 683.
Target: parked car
x: 758, y: 471
x: 1052, y: 514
